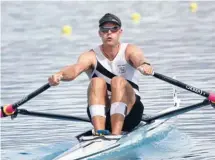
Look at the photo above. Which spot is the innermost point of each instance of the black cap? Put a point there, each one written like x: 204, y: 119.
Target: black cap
x: 108, y: 17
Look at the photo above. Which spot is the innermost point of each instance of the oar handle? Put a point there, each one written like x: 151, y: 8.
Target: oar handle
x: 11, y: 108
x: 209, y: 96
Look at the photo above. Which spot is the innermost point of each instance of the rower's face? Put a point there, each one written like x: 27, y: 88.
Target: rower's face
x: 110, y: 34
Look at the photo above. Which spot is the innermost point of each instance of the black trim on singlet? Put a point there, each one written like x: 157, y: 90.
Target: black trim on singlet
x: 110, y: 75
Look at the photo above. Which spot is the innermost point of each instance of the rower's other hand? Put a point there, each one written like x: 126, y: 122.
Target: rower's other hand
x: 55, y: 79
x: 146, y: 69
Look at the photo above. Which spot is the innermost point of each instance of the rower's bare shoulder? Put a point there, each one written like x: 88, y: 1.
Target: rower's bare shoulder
x: 133, y: 50
x: 88, y: 56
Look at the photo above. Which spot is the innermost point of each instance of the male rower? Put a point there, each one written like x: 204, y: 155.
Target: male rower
x: 113, y: 67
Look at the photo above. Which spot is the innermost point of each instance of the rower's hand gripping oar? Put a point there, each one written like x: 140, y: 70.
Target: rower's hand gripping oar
x: 209, y: 96
x: 10, y: 109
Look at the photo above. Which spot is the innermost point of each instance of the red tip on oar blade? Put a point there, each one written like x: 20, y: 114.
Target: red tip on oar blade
x: 7, y: 110
x: 212, y: 97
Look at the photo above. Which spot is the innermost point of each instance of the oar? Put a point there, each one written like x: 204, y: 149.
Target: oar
x: 145, y: 118
x: 8, y: 110
x: 175, y: 112
x: 52, y: 115
x: 209, y: 96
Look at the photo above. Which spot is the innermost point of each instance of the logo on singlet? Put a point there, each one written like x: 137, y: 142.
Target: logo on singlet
x: 121, y: 68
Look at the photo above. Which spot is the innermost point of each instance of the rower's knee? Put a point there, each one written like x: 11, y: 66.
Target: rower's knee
x: 98, y: 84
x: 118, y: 82
x: 97, y: 91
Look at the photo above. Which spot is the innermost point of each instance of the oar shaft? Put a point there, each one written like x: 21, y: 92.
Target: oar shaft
x: 31, y: 95
x: 176, y: 112
x: 11, y: 108
x: 210, y: 96
x: 52, y: 115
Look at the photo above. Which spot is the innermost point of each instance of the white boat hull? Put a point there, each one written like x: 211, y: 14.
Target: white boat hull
x: 88, y: 148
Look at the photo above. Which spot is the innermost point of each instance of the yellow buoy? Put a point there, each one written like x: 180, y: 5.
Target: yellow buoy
x: 193, y: 7
x: 67, y: 30
x: 136, y: 17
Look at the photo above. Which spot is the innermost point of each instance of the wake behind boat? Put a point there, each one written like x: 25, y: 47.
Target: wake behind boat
x: 89, y: 145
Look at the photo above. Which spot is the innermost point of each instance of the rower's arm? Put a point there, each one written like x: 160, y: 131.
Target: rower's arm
x: 135, y: 55
x: 85, y: 62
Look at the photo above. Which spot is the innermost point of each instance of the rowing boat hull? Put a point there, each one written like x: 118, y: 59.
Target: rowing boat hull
x: 87, y: 149
x: 94, y: 147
